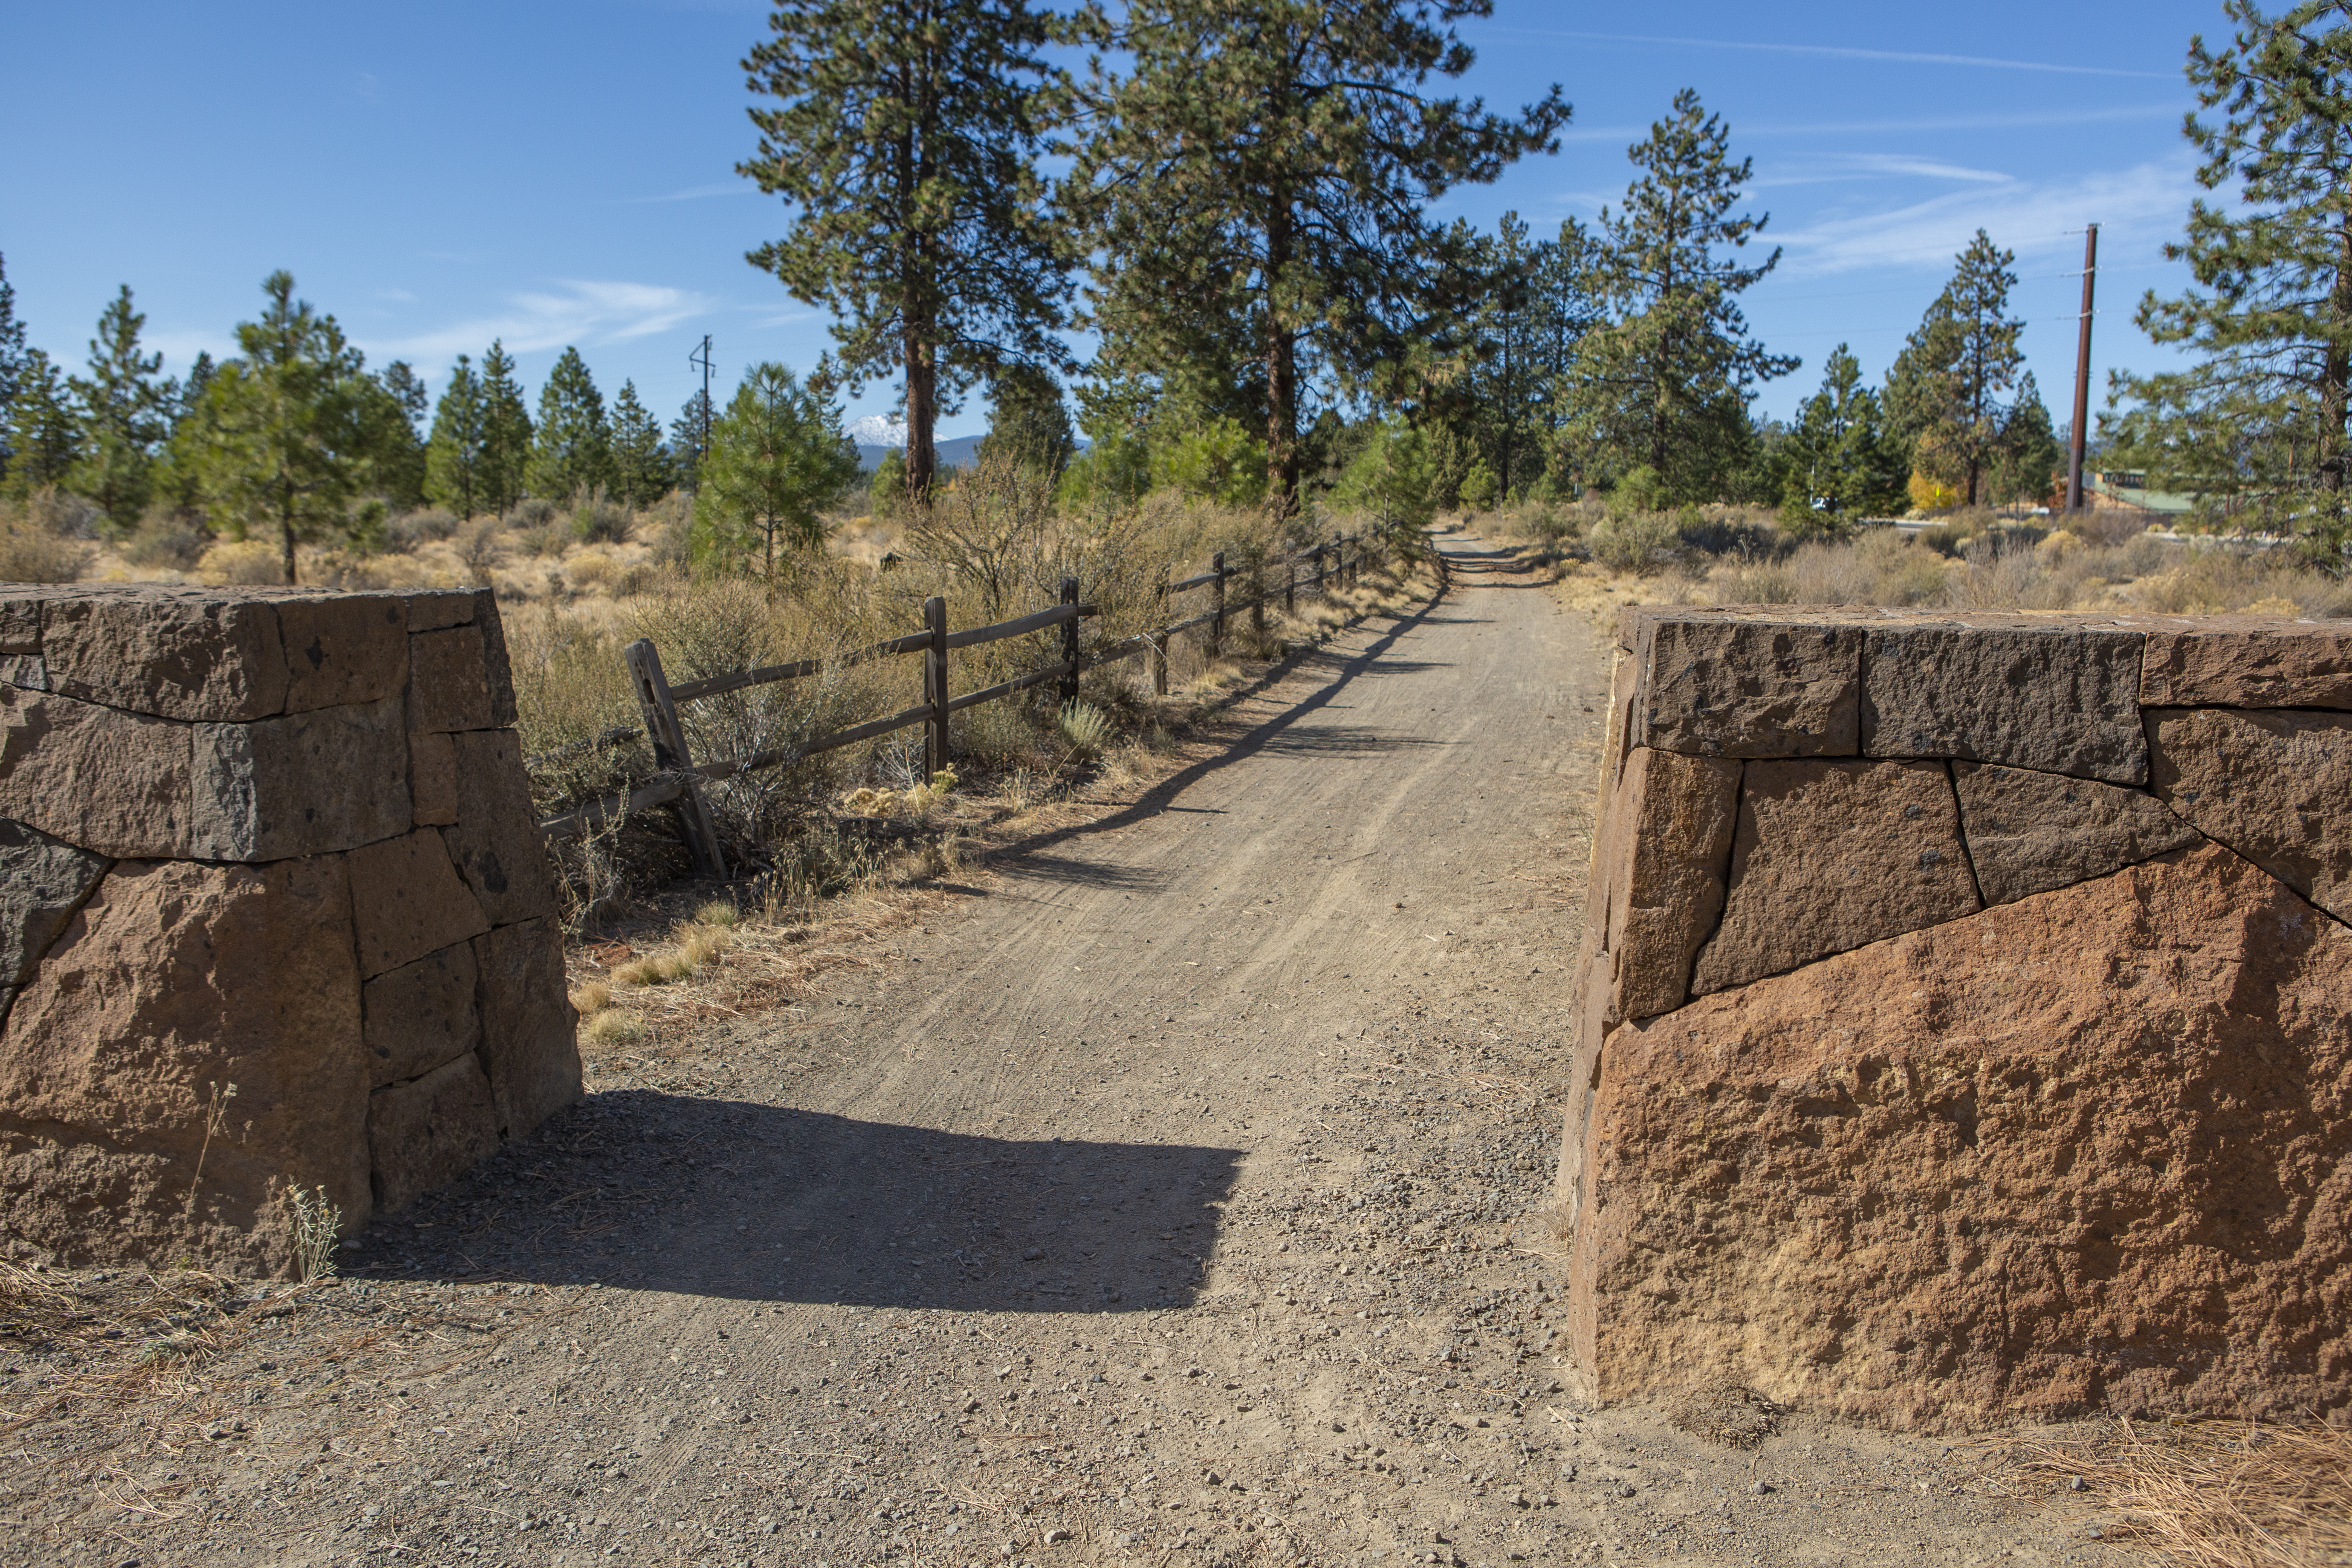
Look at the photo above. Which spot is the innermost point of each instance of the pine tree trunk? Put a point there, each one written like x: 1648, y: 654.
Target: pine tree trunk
x: 922, y: 412
x: 1281, y: 367
x: 2335, y: 375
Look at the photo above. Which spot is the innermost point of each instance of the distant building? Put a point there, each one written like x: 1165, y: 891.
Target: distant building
x: 2118, y: 489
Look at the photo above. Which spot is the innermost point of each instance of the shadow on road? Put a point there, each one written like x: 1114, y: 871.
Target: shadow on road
x: 726, y: 1198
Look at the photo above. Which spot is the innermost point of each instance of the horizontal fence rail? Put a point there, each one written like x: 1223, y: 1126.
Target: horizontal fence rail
x: 681, y: 779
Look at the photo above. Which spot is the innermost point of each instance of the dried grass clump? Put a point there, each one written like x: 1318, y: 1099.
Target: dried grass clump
x: 696, y: 945
x: 39, y: 539
x: 2222, y: 1494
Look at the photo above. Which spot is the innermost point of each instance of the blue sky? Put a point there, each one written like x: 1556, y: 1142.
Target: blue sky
x: 437, y: 173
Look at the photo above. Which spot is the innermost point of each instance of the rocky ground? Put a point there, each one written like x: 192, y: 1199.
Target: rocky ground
x: 1177, y: 1190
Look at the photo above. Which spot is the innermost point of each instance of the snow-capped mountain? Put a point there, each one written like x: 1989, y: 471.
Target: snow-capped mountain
x: 876, y: 430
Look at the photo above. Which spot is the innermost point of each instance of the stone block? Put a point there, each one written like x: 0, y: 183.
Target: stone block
x: 434, y: 609
x: 114, y: 783
x: 1670, y: 845
x: 176, y: 654
x: 2275, y: 786
x: 433, y: 779
x: 2237, y: 662
x: 342, y: 650
x: 1740, y: 688
x: 421, y: 1015
x: 459, y: 678
x: 426, y: 1133
x: 20, y: 623
x: 120, y: 1141
x: 528, y: 1041
x: 2063, y: 698
x: 2028, y: 832
x: 2090, y: 1150
x: 1830, y: 856
x: 42, y: 882
x: 408, y: 900
x: 496, y: 840
x: 307, y: 784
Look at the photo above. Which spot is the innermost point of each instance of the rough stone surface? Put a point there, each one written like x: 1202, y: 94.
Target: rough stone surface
x: 1829, y: 856
x: 408, y: 900
x: 2237, y: 661
x: 42, y: 883
x: 343, y: 648
x: 434, y: 609
x: 2090, y: 1148
x: 459, y: 678
x: 433, y: 779
x: 177, y: 653
x: 528, y: 1041
x: 2275, y: 787
x: 1670, y: 845
x: 114, y: 783
x: 496, y: 840
x: 2061, y: 698
x: 1739, y: 688
x: 2029, y: 832
x: 421, y: 1015
x: 174, y: 980
x: 426, y: 1133
x: 309, y: 784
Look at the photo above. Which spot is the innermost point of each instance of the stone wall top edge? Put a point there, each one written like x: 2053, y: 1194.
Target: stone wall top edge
x: 193, y: 593
x: 1873, y: 615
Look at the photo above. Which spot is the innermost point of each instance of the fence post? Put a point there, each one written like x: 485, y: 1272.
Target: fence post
x: 1071, y: 654
x: 670, y: 756
x: 935, y: 687
x: 1290, y: 585
x: 1217, y: 606
x: 1257, y: 600
x: 1159, y: 648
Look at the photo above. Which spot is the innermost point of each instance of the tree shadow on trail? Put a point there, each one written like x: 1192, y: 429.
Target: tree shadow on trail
x: 728, y: 1198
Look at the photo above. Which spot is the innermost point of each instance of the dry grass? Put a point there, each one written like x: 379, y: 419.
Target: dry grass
x: 2220, y: 1494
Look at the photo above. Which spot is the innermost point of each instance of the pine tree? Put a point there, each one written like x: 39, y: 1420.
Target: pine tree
x: 13, y: 362
x: 453, y: 453
x: 394, y: 403
x: 571, y: 449
x: 641, y: 470
x: 1838, y: 462
x: 2026, y: 468
x: 288, y: 440
x: 1946, y: 394
x: 505, y: 433
x: 2261, y: 424
x: 124, y: 404
x: 1028, y: 418
x: 777, y: 455
x: 1259, y: 182
x: 904, y: 134
x: 41, y: 428
x: 689, y: 434
x: 1666, y: 385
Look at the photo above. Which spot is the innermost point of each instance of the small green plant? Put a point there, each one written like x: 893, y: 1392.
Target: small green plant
x: 318, y: 1225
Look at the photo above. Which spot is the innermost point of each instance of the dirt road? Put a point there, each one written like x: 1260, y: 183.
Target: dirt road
x: 1179, y: 1196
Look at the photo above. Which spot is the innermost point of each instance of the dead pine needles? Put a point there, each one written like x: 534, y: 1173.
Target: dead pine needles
x: 2221, y: 1494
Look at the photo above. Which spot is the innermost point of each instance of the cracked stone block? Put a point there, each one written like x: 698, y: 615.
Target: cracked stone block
x: 2059, y: 700
x: 2030, y: 832
x: 496, y: 840
x: 421, y: 1015
x: 343, y: 648
x: 307, y: 784
x: 1670, y: 831
x: 114, y: 783
x: 2235, y: 662
x: 174, y: 653
x: 426, y: 1133
x: 409, y: 900
x: 2275, y: 785
x: 1745, y: 688
x: 528, y: 1041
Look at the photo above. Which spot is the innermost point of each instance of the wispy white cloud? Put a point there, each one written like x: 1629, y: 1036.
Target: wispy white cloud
x: 2135, y: 208
x: 574, y: 312
x: 2018, y: 119
x: 397, y: 296
x: 1840, y: 52
x: 699, y: 192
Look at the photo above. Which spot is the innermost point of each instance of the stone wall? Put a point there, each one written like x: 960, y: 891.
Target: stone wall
x: 276, y: 840
x: 1964, y: 1016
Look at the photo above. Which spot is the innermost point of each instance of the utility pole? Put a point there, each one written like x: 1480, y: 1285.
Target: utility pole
x: 700, y: 360
x: 2083, y: 372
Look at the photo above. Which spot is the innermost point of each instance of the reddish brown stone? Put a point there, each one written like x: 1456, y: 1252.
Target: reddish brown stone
x: 176, y: 654
x: 114, y: 783
x: 527, y: 1042
x: 2239, y: 662
x: 2275, y: 786
x: 459, y: 678
x: 343, y: 648
x: 427, y: 1132
x: 171, y: 983
x: 1670, y: 844
x: 309, y: 784
x: 434, y: 609
x: 2089, y: 1149
x: 408, y: 900
x: 421, y: 1015
x: 496, y: 840
x: 1744, y: 689
x: 2061, y: 698
x: 2029, y: 832
x: 433, y: 779
x: 1830, y: 856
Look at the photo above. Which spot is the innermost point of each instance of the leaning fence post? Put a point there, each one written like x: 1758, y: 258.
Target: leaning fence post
x: 935, y: 687
x: 1290, y: 586
x: 1159, y: 648
x: 1217, y: 605
x: 1070, y: 651
x: 670, y: 756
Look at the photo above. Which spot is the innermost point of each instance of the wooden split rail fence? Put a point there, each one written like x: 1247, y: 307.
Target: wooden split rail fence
x: 681, y: 778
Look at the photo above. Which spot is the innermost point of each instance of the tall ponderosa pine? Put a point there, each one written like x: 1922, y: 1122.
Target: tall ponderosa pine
x: 288, y: 442
x: 1260, y: 180
x: 2027, y: 468
x: 12, y: 362
x: 1666, y: 385
x: 2262, y: 424
x: 124, y: 411
x: 641, y: 471
x: 453, y: 453
x: 690, y: 437
x: 392, y: 403
x: 1029, y: 420
x: 1837, y: 453
x: 41, y: 429
x: 506, y: 432
x: 571, y: 449
x: 777, y: 455
x: 1947, y: 393
x: 904, y: 134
